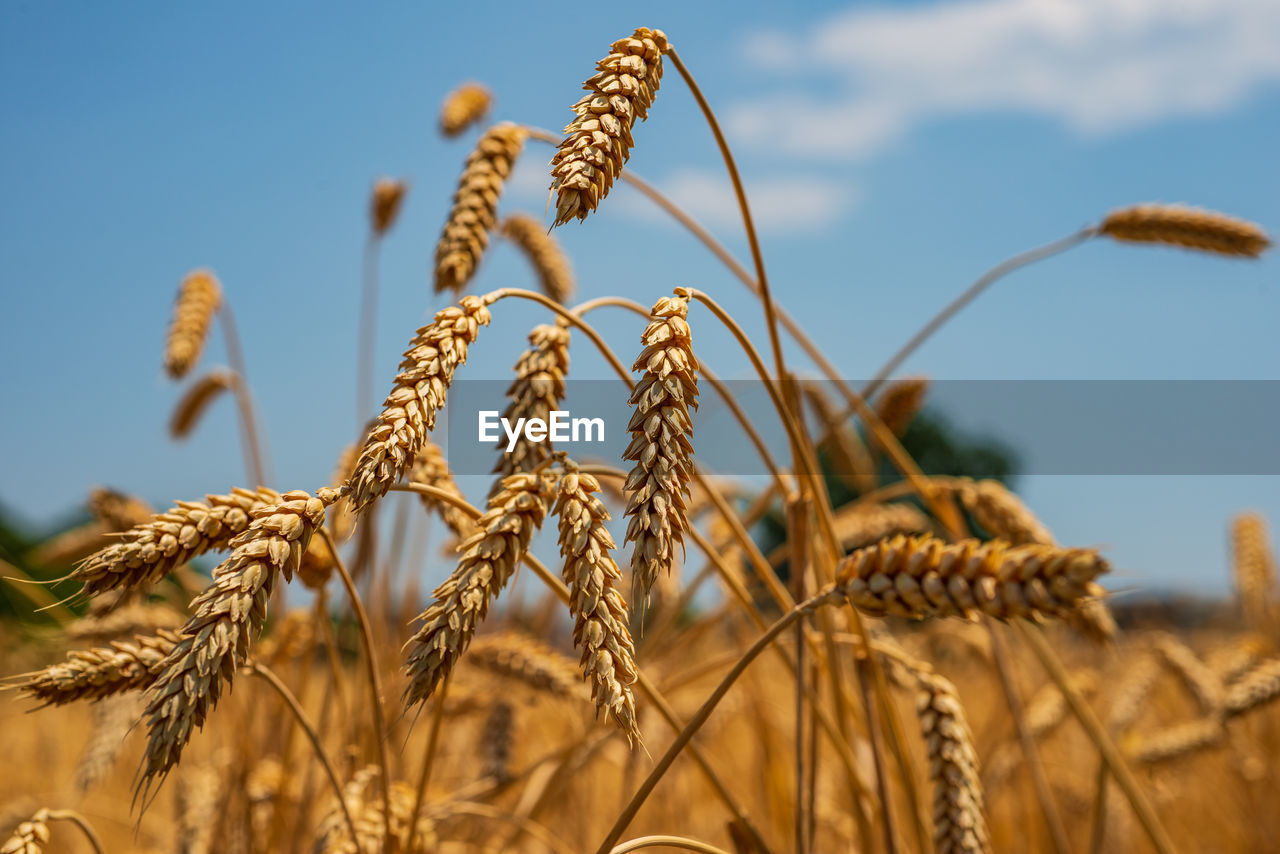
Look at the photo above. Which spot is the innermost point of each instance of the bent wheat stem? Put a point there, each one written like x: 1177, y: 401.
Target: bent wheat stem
x: 667, y: 842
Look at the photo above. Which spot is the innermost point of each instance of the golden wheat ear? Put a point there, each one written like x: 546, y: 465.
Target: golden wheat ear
x: 549, y: 261
x: 661, y: 443
x: 199, y: 297
x: 463, y: 107
x: 475, y: 206
x: 384, y: 204
x: 536, y: 392
x: 1188, y: 227
x: 598, y: 141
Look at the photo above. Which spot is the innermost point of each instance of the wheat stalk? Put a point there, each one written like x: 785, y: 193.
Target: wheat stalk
x: 196, y: 400
x: 489, y: 558
x: 555, y: 275
x: 600, y: 613
x: 598, y: 141
x: 900, y: 402
x: 463, y: 107
x: 148, y: 552
x: 661, y: 443
x: 409, y: 412
x: 522, y: 659
x: 475, y: 206
x: 92, y: 674
x: 1253, y: 567
x: 1188, y: 227
x: 535, y: 393
x: 384, y: 204
x: 921, y: 577
x: 199, y: 297
x: 227, y: 615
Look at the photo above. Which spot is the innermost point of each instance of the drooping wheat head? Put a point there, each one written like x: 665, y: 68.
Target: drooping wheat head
x: 901, y: 401
x: 523, y: 659
x: 384, y: 204
x: 117, y: 510
x: 1188, y: 227
x: 919, y: 577
x: 535, y: 393
x: 661, y: 443
x: 121, y: 617
x: 199, y: 297
x: 148, y: 552
x: 227, y: 616
x: 112, y: 720
x: 489, y: 558
x: 600, y: 613
x: 1135, y: 684
x: 598, y: 141
x: 1200, y: 679
x: 432, y: 469
x: 475, y: 206
x: 463, y: 107
x: 196, y: 400
x: 92, y: 674
x: 30, y: 836
x: 555, y: 275
x: 860, y: 525
x: 1001, y: 513
x: 418, y: 393
x: 1256, y: 687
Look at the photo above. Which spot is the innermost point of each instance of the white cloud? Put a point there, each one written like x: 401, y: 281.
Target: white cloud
x: 778, y: 205
x: 1099, y: 66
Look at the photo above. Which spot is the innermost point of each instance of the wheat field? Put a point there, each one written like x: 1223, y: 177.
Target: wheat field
x: 919, y: 665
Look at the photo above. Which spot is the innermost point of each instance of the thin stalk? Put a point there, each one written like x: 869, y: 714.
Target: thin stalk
x: 367, y: 345
x: 253, y: 443
x: 667, y: 842
x: 1098, y: 832
x: 520, y: 293
x: 877, y: 761
x: 375, y: 679
x: 428, y: 758
x: 984, y: 281
x: 267, y: 675
x: 1044, y: 795
x: 81, y: 822
x: 704, y: 712
x: 798, y: 533
x: 1098, y: 734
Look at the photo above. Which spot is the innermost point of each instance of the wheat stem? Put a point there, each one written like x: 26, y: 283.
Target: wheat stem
x: 429, y: 755
x: 683, y: 842
x: 1098, y: 734
x: 367, y: 341
x: 254, y: 443
x: 80, y: 822
x: 267, y: 675
x: 375, y: 678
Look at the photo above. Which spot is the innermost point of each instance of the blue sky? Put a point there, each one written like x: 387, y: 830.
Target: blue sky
x: 892, y: 152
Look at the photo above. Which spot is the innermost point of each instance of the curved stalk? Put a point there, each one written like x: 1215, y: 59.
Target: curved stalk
x: 669, y: 842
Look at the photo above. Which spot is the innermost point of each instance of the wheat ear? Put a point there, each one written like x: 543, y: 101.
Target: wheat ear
x: 112, y: 720
x: 599, y: 611
x: 30, y: 836
x: 535, y: 393
x: 661, y: 443
x: 1135, y: 684
x: 958, y: 821
x: 418, y: 393
x: 1253, y: 567
x: 199, y: 297
x: 1178, y: 740
x: 598, y: 141
x: 1188, y: 227
x: 489, y: 559
x: 113, y: 621
x: 431, y: 468
x: 1254, y: 688
x: 497, y: 737
x: 543, y: 251
x: 463, y: 107
x: 523, y: 659
x: 475, y: 206
x: 92, y: 674
x: 117, y: 510
x: 921, y: 577
x: 196, y: 400
x: 148, y: 552
x: 901, y: 401
x: 860, y: 525
x: 1200, y: 679
x: 334, y: 837
x: 228, y: 614
x: 384, y: 204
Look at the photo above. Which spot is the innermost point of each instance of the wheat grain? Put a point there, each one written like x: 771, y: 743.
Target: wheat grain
x: 475, y: 206
x: 661, y: 443
x: 30, y: 837
x: 536, y: 392
x: 543, y: 251
x: 199, y: 297
x: 489, y: 558
x: 463, y: 107
x: 226, y: 617
x: 958, y: 820
x: 600, y: 613
x: 900, y: 402
x: 598, y: 141
x: 409, y: 412
x: 1259, y: 685
x: 859, y: 525
x: 1253, y: 567
x: 922, y: 577
x: 384, y: 204
x: 523, y: 659
x: 1188, y: 227
x: 91, y: 674
x: 1200, y: 679
x: 148, y: 552
x: 197, y: 399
